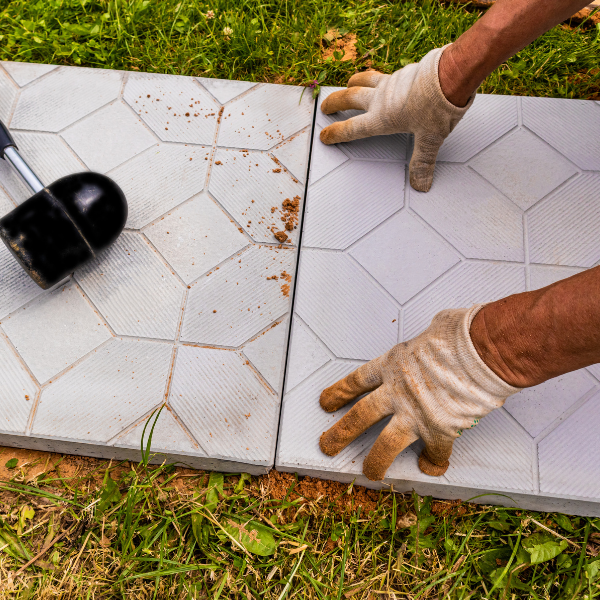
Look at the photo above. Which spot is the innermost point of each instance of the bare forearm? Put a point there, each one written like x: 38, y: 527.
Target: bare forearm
x: 531, y: 337
x: 504, y: 30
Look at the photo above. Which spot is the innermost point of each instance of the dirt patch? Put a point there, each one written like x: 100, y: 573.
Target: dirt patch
x: 278, y: 485
x: 339, y: 47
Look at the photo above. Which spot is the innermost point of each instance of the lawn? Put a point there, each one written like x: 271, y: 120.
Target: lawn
x: 78, y: 528
x: 281, y: 40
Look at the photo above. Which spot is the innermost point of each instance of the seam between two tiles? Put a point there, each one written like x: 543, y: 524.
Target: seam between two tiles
x: 292, y: 302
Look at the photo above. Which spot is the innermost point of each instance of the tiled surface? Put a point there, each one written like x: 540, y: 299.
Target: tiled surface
x: 513, y: 207
x: 190, y: 307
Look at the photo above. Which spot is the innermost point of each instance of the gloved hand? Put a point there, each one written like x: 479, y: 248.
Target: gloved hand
x: 433, y: 386
x: 408, y: 101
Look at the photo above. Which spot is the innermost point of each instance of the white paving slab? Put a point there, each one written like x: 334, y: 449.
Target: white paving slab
x: 509, y: 210
x: 24, y: 73
x: 189, y: 309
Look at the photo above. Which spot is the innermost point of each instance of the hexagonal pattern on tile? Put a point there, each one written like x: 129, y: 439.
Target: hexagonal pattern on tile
x: 132, y: 288
x: 195, y: 237
x: 24, y: 73
x: 562, y: 228
x: 264, y: 117
x: 380, y: 147
x: 293, y: 154
x: 463, y: 286
x: 48, y: 156
x: 570, y: 126
x: 8, y: 94
x: 405, y: 241
x: 307, y: 354
x: 351, y: 297
x: 523, y: 168
x: 16, y: 287
x: 497, y: 453
x: 473, y: 216
x: 123, y: 380
x: 176, y: 108
x: 55, y: 330
x: 225, y: 90
x: 44, y: 106
x: 138, y: 288
x: 229, y: 306
x: 249, y: 186
x: 159, y: 179
x: 488, y: 119
x: 264, y: 353
x: 168, y: 435
x: 570, y: 455
x: 108, y: 137
x: 540, y: 406
x: 338, y: 212
x: 230, y: 412
x: 542, y: 275
x: 17, y: 390
x: 324, y: 158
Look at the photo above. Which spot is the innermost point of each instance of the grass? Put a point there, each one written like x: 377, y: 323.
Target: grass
x: 137, y: 531
x: 280, y: 40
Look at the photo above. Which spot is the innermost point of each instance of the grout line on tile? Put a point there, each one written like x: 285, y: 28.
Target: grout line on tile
x: 557, y: 189
x: 208, y: 346
x: 13, y: 106
x: 438, y: 235
x: 76, y: 363
x: 347, y: 249
x: 264, y: 330
x: 137, y: 338
x: 146, y: 126
x: 164, y: 261
x: 316, y: 338
x: 467, y: 163
x: 376, y: 283
x: 482, y: 178
x: 515, y: 263
x: 132, y: 425
x: 93, y: 306
x: 186, y: 431
x: 566, y: 414
x: 441, y: 277
x: 526, y: 248
x: 218, y: 265
x: 184, y: 300
x: 260, y: 376
x: 576, y: 167
x: 89, y: 114
x: 33, y: 412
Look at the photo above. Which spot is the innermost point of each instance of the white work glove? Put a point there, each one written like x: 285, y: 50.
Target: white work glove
x: 408, y: 101
x: 433, y: 386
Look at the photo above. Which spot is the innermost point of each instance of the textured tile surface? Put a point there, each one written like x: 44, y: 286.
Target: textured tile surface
x: 509, y: 210
x: 190, y: 307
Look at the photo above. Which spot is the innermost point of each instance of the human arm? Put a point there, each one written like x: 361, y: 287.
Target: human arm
x: 429, y: 98
x: 464, y: 366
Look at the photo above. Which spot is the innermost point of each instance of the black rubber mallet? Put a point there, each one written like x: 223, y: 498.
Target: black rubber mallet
x: 63, y: 225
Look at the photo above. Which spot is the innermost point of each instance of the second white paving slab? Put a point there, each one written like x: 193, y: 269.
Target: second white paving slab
x: 189, y: 309
x: 513, y: 207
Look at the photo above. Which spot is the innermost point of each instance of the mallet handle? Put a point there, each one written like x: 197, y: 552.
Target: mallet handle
x: 9, y: 152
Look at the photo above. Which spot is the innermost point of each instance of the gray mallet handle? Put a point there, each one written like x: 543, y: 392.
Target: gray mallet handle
x: 9, y: 152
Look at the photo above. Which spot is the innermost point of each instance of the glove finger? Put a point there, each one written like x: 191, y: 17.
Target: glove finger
x: 422, y: 163
x: 364, y: 379
x: 355, y: 97
x: 366, y: 79
x: 434, y: 459
x: 395, y: 437
x: 357, y: 420
x: 358, y: 127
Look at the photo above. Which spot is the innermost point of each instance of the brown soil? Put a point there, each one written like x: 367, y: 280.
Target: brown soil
x: 345, y: 44
x: 278, y: 485
x: 281, y: 236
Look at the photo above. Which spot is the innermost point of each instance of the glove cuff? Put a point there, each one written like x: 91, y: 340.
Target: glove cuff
x: 473, y: 364
x: 429, y: 81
